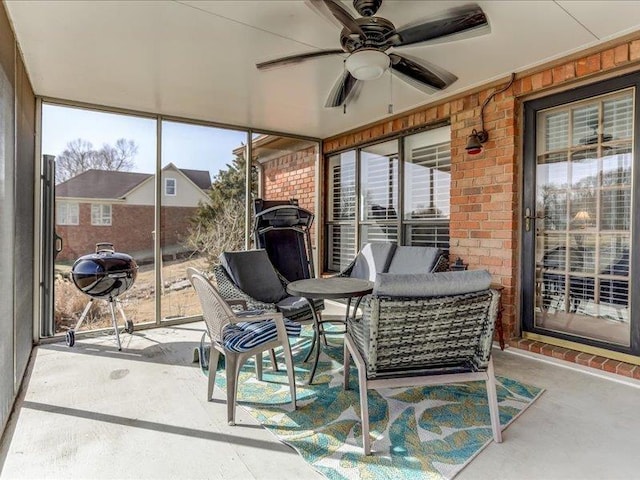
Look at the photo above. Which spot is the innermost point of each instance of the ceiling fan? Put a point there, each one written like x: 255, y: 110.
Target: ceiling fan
x: 367, y: 41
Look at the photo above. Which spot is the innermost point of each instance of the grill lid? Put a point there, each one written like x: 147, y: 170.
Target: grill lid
x: 104, y: 274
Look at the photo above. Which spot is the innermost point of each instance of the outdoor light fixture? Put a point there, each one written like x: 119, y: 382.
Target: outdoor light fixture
x: 367, y: 64
x: 475, y: 141
x: 477, y: 138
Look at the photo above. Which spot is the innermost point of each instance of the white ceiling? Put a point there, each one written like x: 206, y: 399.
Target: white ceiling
x: 197, y: 59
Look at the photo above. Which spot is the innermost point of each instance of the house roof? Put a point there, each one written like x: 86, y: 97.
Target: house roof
x: 200, y: 177
x: 113, y: 184
x: 100, y: 184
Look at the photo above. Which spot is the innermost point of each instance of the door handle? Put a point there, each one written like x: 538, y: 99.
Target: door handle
x: 528, y: 217
x: 58, y: 245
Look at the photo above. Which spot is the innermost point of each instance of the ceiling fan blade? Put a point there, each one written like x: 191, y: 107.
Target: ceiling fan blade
x: 279, y: 62
x: 463, y: 19
x: 420, y: 75
x: 341, y: 91
x: 334, y: 11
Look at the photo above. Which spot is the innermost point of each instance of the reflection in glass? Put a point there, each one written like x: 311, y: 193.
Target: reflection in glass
x: 616, y: 166
x: 585, y: 124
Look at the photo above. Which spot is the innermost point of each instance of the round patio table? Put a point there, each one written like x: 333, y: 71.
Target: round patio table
x: 327, y: 288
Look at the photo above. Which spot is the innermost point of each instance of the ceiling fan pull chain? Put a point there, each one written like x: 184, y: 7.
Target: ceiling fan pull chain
x: 390, y: 107
x: 344, y: 102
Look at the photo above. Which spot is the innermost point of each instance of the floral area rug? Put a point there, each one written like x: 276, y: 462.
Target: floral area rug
x: 419, y: 432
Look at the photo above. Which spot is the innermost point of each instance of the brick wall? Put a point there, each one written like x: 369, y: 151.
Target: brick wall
x: 485, y: 188
x: 292, y: 176
x: 130, y: 230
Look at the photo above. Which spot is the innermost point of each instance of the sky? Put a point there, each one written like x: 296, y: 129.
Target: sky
x: 186, y: 146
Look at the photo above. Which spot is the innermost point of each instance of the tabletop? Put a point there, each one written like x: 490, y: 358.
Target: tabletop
x: 328, y: 288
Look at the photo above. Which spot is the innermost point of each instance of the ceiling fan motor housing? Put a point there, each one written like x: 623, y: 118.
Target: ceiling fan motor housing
x: 367, y: 8
x: 377, y: 31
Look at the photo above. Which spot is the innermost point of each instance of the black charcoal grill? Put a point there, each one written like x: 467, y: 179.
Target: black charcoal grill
x: 104, y: 275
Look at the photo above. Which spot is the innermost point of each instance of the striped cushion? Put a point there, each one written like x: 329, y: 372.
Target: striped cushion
x: 243, y: 336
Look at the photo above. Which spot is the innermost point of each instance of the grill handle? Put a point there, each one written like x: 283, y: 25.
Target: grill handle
x: 118, y: 275
x: 104, y: 247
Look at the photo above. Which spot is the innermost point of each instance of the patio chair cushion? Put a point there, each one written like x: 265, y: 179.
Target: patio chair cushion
x: 243, y: 336
x: 253, y: 273
x: 407, y: 259
x: 373, y: 258
x: 293, y: 307
x: 431, y: 284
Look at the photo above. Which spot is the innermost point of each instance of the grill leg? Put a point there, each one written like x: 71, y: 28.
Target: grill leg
x: 128, y: 324
x: 83, y: 316
x: 115, y: 323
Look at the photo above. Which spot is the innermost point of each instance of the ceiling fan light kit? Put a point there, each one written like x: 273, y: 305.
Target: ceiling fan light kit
x: 367, y: 64
x: 372, y: 43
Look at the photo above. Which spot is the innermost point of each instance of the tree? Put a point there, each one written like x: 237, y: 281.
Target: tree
x: 80, y: 156
x: 119, y: 157
x: 218, y: 225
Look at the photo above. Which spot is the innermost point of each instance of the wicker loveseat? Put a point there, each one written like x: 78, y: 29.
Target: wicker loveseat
x: 422, y: 329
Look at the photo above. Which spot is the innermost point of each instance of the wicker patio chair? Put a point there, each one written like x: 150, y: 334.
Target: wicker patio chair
x: 424, y: 329
x: 239, y: 336
x: 250, y: 276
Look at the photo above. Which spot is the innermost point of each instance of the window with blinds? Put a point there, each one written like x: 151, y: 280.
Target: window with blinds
x: 365, y: 188
x: 341, y: 241
x: 427, y: 187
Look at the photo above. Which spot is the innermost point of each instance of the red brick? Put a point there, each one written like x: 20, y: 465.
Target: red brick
x: 625, y: 369
x: 570, y: 356
x: 608, y: 59
x: 634, y: 50
x: 584, y: 359
x: 610, y: 365
x: 582, y: 67
x: 559, y: 353
x: 621, y: 54
x: 597, y: 362
x: 546, y: 350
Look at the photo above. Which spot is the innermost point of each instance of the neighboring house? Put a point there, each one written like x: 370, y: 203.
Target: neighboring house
x: 118, y: 207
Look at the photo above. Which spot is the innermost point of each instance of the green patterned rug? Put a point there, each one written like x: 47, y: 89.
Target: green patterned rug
x: 426, y: 432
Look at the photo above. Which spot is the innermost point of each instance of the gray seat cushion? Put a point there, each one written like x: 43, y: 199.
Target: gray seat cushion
x: 373, y: 258
x: 431, y: 284
x: 414, y: 259
x: 294, y: 307
x: 254, y: 274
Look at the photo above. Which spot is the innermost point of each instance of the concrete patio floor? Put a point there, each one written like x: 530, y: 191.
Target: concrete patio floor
x: 93, y: 412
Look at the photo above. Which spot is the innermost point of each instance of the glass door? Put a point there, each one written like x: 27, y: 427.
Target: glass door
x: 578, y: 235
